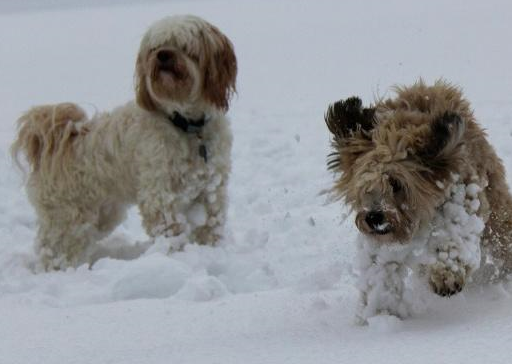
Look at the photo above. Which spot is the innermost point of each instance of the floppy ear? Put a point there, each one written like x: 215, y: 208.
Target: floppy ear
x: 143, y: 96
x: 344, y: 118
x: 443, y: 142
x: 351, y: 125
x: 219, y: 67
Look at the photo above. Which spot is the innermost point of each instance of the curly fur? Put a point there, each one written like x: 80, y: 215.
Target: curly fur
x: 84, y: 173
x: 396, y: 159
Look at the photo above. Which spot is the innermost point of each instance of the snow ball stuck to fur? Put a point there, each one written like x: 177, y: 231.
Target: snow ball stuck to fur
x: 197, y: 215
x: 472, y: 190
x: 443, y: 255
x: 212, y: 197
x: 214, y: 183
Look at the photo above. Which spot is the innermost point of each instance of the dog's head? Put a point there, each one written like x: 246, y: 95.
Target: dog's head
x: 395, y: 160
x: 185, y: 64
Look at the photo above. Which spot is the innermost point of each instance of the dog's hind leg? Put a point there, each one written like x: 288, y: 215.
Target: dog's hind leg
x: 501, y: 242
x: 497, y: 241
x: 497, y: 236
x: 64, y: 238
x: 110, y: 216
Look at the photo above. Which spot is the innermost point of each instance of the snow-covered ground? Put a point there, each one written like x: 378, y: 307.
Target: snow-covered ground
x: 280, y: 288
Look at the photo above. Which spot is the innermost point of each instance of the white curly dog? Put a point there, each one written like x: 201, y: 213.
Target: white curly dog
x: 168, y: 151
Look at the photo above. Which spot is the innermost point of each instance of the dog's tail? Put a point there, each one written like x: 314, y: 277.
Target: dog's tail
x: 45, y: 135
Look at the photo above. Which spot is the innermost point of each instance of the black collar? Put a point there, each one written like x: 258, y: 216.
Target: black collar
x: 187, y: 125
x: 192, y: 127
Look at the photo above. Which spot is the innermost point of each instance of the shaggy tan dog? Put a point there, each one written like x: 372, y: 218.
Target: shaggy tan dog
x: 399, y: 159
x: 168, y: 152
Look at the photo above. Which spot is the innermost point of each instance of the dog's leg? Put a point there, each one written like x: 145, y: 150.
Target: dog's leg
x: 497, y: 238
x: 184, y: 221
x: 63, y: 241
x: 448, y: 275
x: 382, y: 274
x: 160, y: 218
x: 209, y: 230
x: 382, y: 291
x: 161, y: 209
x: 497, y: 249
x: 454, y: 244
x: 110, y: 216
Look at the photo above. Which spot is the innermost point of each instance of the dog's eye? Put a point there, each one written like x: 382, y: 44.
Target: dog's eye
x: 395, y: 185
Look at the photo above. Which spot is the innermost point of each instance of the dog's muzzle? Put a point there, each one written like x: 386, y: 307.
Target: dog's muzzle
x: 374, y: 223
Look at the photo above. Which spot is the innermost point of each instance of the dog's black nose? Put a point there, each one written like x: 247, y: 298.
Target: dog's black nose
x: 166, y: 61
x: 375, y: 219
x: 164, y: 56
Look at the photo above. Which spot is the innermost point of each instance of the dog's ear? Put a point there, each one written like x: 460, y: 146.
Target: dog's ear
x: 351, y: 125
x: 344, y: 118
x: 219, y: 67
x: 443, y: 142
x: 143, y: 96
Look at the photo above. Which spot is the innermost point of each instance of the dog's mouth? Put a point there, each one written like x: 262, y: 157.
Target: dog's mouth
x: 167, y: 67
x: 169, y: 64
x: 382, y: 229
x: 173, y: 70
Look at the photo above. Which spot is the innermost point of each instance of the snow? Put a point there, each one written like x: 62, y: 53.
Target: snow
x: 281, y: 288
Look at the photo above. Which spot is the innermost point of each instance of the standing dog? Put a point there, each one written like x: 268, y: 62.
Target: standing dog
x: 420, y: 163
x: 168, y: 152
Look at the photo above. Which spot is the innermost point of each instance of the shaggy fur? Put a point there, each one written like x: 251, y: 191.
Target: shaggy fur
x: 84, y: 173
x: 396, y: 160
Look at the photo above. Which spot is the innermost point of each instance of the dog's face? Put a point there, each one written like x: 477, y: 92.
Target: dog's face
x: 393, y: 165
x: 185, y: 64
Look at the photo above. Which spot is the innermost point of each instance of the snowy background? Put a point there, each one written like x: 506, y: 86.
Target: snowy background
x: 280, y: 288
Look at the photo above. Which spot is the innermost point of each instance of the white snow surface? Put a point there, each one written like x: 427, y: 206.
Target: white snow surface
x: 280, y: 288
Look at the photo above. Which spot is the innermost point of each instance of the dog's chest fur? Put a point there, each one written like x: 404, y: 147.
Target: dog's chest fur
x: 196, y: 161
x: 201, y: 159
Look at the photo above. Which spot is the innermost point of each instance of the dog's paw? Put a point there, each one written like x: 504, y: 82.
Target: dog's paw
x: 206, y: 235
x: 446, y: 281
x: 174, y: 229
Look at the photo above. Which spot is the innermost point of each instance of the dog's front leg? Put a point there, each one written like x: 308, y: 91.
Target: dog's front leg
x: 447, y: 276
x: 454, y: 262
x: 454, y: 244
x: 382, y: 290
x: 382, y: 274
x: 209, y: 229
x: 159, y: 206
